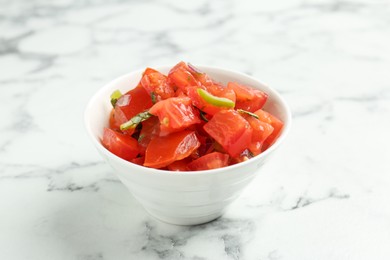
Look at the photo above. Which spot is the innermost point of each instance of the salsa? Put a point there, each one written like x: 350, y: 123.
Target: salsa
x: 187, y: 121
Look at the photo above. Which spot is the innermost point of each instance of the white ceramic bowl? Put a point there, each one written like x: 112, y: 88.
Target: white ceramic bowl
x: 183, y: 198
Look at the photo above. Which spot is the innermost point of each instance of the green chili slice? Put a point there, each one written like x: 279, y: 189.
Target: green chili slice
x: 115, y: 96
x: 132, y: 123
x: 213, y: 100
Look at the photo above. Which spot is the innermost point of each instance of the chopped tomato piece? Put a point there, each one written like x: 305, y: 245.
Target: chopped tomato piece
x: 120, y: 144
x: 276, y: 123
x: 209, y: 161
x: 150, y: 129
x: 181, y: 165
x: 261, y: 131
x: 230, y: 130
x: 180, y: 93
x: 175, y: 114
x: 180, y: 77
x: 133, y: 102
x: 164, y: 150
x: 112, y: 122
x: 138, y: 160
x: 248, y: 98
x: 242, y: 157
x: 156, y: 84
x: 200, y: 76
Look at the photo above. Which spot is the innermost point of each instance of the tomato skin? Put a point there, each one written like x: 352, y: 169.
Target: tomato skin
x: 201, y: 77
x: 130, y: 104
x: 138, y: 160
x: 180, y: 77
x: 155, y: 82
x: 181, y: 165
x: 150, y: 129
x: 209, y: 161
x: 230, y: 130
x: 242, y: 157
x: 261, y: 131
x: 120, y: 144
x: 248, y: 99
x: 164, y: 150
x: 275, y: 122
x: 112, y: 122
x: 175, y: 114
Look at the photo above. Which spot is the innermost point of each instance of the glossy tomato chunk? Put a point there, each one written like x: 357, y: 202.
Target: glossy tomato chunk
x: 181, y: 165
x: 275, y: 122
x: 175, y: 114
x: 209, y: 161
x: 164, y: 150
x: 112, y: 122
x: 138, y: 160
x: 156, y: 84
x: 181, y: 77
x: 248, y: 98
x: 130, y: 104
x: 201, y: 77
x: 230, y: 130
x: 261, y: 131
x: 120, y: 144
x: 150, y: 129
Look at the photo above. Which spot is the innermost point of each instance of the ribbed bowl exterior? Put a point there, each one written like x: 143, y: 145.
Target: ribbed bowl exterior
x: 185, y: 199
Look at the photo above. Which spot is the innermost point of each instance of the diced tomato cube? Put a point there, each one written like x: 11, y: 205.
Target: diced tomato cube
x: 175, y: 114
x: 164, y: 150
x: 209, y: 161
x: 261, y: 131
x: 138, y: 160
x: 248, y: 98
x: 112, y: 122
x: 200, y: 76
x: 181, y: 165
x: 130, y: 104
x: 180, y: 77
x: 242, y: 157
x: 156, y: 84
x: 120, y: 144
x: 230, y: 130
x: 150, y: 129
x: 276, y: 123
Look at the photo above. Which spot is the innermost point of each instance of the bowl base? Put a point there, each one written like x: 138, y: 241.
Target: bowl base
x: 185, y: 221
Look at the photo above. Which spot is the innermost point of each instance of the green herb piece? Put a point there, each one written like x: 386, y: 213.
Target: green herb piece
x: 216, y: 101
x: 132, y: 123
x: 248, y: 113
x: 115, y: 96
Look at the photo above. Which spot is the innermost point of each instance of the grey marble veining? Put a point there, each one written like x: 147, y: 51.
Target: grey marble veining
x: 325, y: 195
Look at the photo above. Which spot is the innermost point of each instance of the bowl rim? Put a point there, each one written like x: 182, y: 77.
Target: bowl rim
x: 144, y: 169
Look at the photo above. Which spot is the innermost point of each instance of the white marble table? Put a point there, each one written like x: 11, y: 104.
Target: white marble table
x: 325, y: 195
